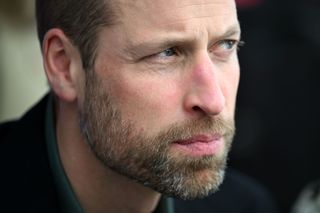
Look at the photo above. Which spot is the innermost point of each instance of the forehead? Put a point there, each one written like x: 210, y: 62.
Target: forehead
x: 176, y: 14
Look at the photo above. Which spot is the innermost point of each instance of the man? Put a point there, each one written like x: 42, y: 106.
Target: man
x: 141, y: 109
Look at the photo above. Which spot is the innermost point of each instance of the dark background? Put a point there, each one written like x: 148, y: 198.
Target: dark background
x: 278, y: 109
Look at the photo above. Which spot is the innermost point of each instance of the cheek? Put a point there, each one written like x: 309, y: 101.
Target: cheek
x: 146, y: 101
x: 230, y: 86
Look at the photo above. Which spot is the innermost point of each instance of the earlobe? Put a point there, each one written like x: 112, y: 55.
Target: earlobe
x: 59, y: 55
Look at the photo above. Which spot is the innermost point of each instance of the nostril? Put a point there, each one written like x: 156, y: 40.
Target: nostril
x: 196, y: 108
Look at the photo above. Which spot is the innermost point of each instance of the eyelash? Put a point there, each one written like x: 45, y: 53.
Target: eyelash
x: 232, y: 42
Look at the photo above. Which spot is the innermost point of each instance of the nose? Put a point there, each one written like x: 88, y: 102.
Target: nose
x: 204, y: 94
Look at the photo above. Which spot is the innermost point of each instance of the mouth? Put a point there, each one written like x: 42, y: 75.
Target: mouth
x: 200, y: 145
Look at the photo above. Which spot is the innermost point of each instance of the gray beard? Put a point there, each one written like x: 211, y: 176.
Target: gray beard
x: 147, y: 160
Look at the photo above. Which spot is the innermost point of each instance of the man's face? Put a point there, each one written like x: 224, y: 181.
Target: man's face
x: 159, y: 104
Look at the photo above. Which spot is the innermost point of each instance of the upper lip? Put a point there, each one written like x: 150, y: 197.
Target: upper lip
x: 200, y: 138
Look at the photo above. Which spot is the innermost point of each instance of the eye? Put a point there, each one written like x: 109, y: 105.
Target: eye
x: 224, y: 49
x: 166, y: 56
x: 167, y: 52
x: 228, y: 44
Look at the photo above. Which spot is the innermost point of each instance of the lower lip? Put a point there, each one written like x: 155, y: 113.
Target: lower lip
x: 199, y: 148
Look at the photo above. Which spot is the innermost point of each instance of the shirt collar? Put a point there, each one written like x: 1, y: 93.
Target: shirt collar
x: 67, y: 199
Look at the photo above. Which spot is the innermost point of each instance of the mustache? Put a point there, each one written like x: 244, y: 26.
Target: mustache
x: 218, y: 126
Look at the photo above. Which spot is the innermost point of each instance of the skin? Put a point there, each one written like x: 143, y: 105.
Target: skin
x: 152, y: 85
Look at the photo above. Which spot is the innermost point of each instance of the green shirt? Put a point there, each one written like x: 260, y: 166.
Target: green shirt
x: 67, y: 200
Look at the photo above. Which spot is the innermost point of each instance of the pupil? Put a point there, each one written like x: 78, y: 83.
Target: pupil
x: 169, y: 52
x: 229, y: 44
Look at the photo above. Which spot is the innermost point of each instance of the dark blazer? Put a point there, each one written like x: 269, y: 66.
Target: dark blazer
x: 26, y: 183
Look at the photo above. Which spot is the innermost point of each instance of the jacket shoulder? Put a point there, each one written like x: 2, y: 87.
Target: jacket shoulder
x: 26, y: 181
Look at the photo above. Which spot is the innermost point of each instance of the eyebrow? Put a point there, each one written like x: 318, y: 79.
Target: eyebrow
x: 232, y: 31
x: 159, y: 44
x: 229, y: 33
x: 156, y: 44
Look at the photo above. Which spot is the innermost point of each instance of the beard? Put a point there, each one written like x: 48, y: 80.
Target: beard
x: 149, y: 160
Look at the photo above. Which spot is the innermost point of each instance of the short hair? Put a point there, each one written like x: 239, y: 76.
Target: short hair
x: 80, y: 20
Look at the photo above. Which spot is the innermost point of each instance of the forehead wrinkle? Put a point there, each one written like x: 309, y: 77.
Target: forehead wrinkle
x: 216, y: 31
x: 173, y: 6
x: 190, y: 12
x: 186, y: 19
x: 215, y: 18
x: 164, y: 13
x: 195, y: 4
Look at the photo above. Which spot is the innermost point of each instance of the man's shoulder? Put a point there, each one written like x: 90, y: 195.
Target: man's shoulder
x: 5, y: 130
x: 238, y: 194
x: 20, y: 132
x: 25, y: 179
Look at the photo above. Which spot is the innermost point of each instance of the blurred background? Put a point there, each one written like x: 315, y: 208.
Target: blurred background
x: 22, y: 80
x: 278, y: 109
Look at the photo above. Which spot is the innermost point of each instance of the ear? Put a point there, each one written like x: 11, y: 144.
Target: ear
x: 63, y: 65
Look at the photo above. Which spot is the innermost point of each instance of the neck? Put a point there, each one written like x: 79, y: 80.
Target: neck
x: 97, y: 187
